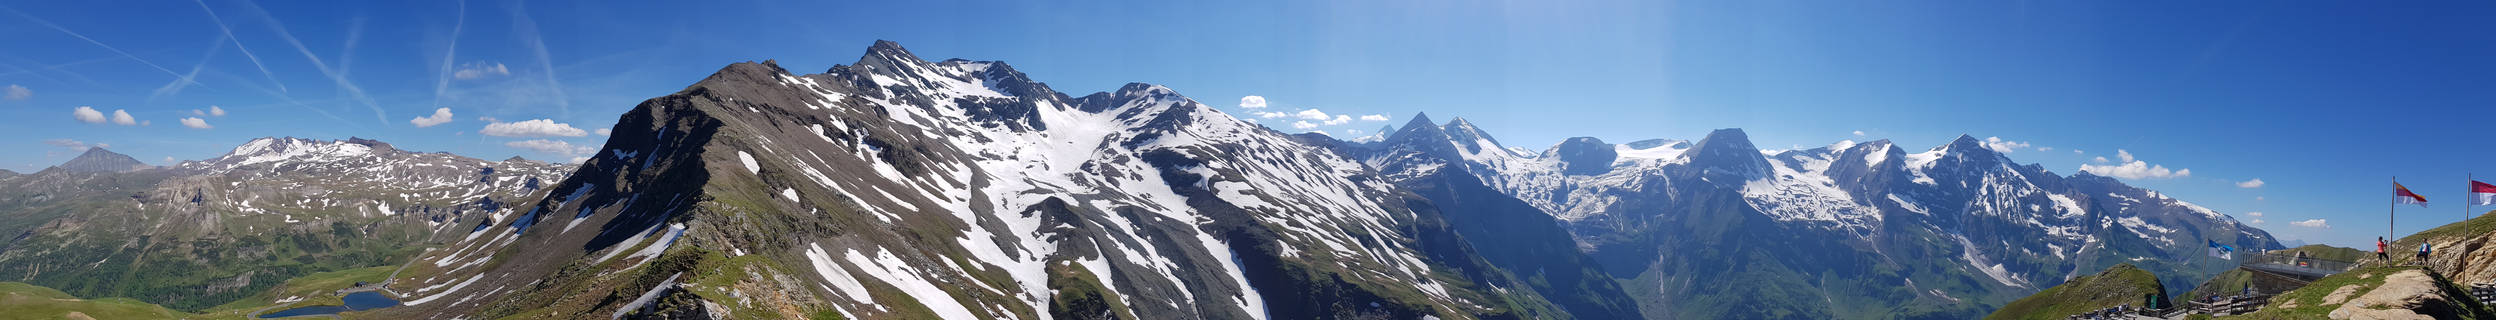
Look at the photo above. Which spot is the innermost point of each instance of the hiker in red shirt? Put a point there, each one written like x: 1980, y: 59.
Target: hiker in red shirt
x: 2379, y: 248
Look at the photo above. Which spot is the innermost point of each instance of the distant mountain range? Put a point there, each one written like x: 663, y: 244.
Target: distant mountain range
x: 897, y: 187
x: 204, y: 233
x: 1718, y: 228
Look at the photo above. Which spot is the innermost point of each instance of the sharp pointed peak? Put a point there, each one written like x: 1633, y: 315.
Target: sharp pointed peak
x: 1965, y: 143
x: 1964, y: 138
x: 890, y: 48
x: 881, y: 44
x: 1420, y: 119
x: 886, y: 54
x: 98, y: 151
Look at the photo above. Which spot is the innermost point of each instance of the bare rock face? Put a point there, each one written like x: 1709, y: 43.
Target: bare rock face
x: 2408, y: 294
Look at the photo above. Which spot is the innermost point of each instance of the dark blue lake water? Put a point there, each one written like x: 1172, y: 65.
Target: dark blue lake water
x: 359, y: 301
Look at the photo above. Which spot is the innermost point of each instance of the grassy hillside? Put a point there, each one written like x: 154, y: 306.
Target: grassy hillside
x: 2436, y: 297
x: 26, y: 301
x: 2476, y: 226
x: 2122, y: 284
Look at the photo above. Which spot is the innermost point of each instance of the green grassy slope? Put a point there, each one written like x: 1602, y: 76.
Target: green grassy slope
x: 26, y: 301
x: 2121, y: 285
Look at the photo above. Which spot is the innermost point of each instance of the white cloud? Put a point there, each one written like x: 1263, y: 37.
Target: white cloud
x: 606, y: 131
x: 2258, y: 198
x: 1252, y: 102
x: 2257, y: 221
x: 73, y: 145
x: 1339, y: 119
x: 439, y: 117
x: 1374, y: 117
x: 1312, y: 114
x: 216, y: 111
x: 1270, y: 115
x: 171, y: 160
x: 122, y: 117
x: 18, y: 92
x: 2004, y: 146
x: 2045, y: 148
x: 556, y: 147
x: 1858, y: 133
x: 2075, y: 151
x: 87, y: 114
x: 196, y: 123
x: 1352, y: 132
x: 480, y: 70
x: 1303, y: 125
x: 532, y: 128
x: 2256, y: 214
x: 2250, y: 184
x: 2099, y: 160
x: 2134, y: 169
x: 2316, y: 223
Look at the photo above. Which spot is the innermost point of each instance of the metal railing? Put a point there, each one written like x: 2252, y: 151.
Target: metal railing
x: 2231, y: 305
x: 2289, y: 261
x: 2485, y: 292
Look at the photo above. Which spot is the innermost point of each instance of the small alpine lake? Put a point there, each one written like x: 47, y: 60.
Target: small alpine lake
x: 358, y: 301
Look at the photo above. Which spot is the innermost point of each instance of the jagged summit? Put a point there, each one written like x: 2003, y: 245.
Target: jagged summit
x: 888, y: 56
x: 96, y: 159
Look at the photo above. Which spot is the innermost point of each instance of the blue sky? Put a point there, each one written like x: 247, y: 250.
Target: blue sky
x: 2324, y: 103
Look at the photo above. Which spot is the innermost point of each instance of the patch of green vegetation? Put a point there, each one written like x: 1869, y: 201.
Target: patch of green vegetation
x: 2311, y: 301
x: 27, y: 301
x: 1081, y: 295
x: 2120, y: 285
x: 2327, y: 252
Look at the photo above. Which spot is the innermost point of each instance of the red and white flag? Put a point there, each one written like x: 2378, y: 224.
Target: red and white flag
x: 2482, y: 193
x: 2401, y: 194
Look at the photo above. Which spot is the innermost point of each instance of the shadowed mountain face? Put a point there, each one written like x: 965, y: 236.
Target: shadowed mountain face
x: 902, y: 188
x: 1717, y: 228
